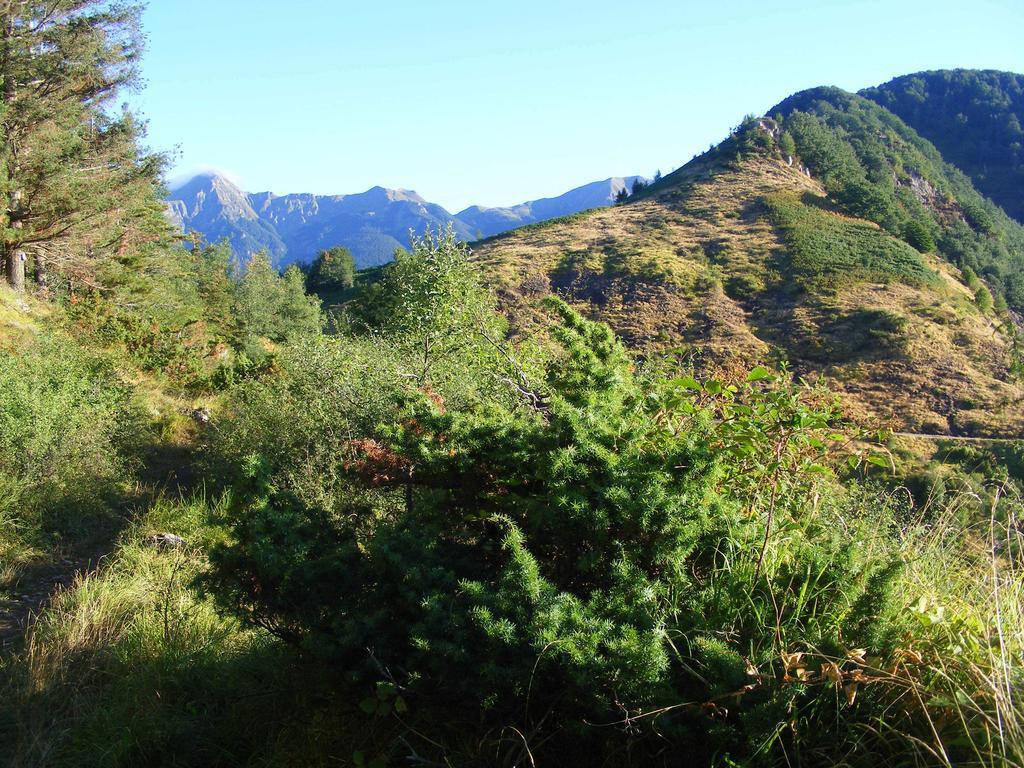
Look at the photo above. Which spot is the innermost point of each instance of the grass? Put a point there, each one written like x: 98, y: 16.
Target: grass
x: 126, y: 665
x: 970, y: 605
x: 132, y: 665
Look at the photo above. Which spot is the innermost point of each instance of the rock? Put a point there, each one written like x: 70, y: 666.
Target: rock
x: 166, y: 541
x: 201, y: 415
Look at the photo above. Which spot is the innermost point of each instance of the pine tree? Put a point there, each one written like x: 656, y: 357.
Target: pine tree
x: 75, y: 184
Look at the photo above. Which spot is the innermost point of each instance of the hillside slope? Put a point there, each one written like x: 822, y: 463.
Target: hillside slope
x: 741, y: 256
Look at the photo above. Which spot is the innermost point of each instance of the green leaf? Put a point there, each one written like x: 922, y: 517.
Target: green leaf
x: 687, y: 382
x: 369, y: 705
x: 758, y: 374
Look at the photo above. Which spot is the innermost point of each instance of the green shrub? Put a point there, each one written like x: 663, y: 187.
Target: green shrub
x: 67, y: 429
x: 517, y: 541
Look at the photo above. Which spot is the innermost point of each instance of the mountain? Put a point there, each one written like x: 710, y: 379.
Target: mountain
x: 830, y: 235
x: 491, y: 221
x: 974, y: 118
x: 212, y: 205
x: 294, y: 228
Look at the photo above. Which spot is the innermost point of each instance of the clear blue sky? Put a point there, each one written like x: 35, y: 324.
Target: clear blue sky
x: 495, y: 103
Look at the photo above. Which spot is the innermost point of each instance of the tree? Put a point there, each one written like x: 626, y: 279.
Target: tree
x: 333, y: 270
x: 787, y: 145
x: 919, y: 236
x: 75, y: 184
x: 271, y: 306
x: 213, y: 269
x: 431, y: 304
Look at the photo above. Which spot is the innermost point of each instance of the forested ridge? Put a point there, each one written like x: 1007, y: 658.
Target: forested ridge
x: 974, y: 118
x: 441, y: 513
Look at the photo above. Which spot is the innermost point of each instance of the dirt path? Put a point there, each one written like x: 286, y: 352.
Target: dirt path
x: 33, y: 590
x: 964, y: 439
x: 168, y: 470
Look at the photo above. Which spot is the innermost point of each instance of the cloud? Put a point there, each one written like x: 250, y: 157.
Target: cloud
x: 182, y: 177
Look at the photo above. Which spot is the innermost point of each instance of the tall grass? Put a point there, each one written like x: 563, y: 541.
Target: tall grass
x: 132, y: 666
x: 969, y: 592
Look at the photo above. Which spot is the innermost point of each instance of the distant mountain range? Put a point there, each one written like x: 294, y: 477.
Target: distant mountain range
x: 294, y: 228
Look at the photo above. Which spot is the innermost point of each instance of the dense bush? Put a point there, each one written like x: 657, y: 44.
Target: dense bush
x: 828, y: 251
x: 544, y: 539
x: 67, y: 425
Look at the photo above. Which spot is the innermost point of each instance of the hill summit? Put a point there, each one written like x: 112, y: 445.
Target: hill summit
x: 829, y: 235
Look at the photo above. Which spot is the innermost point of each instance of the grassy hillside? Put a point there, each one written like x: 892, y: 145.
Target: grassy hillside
x: 742, y: 255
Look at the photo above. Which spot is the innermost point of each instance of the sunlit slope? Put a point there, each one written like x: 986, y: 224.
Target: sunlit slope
x: 741, y: 257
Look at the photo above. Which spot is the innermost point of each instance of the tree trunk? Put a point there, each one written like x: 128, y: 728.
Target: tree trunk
x: 16, y: 269
x: 42, y: 275
x: 15, y: 255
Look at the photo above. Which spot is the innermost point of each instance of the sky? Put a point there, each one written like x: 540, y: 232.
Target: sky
x: 495, y: 103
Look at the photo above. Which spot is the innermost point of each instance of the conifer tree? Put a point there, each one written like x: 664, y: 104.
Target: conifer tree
x: 76, y: 186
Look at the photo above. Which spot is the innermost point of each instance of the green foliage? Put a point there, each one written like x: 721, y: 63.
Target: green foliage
x: 67, y: 425
x: 974, y: 118
x: 918, y: 235
x: 432, y: 307
x: 827, y: 251
x: 213, y: 270
x: 548, y: 536
x: 302, y: 417
x: 333, y: 271
x: 271, y: 306
x: 875, y: 167
x: 787, y: 144
x: 983, y: 297
x: 78, y: 189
